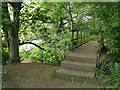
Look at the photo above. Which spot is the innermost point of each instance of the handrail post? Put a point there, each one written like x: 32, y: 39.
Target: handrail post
x: 72, y: 39
x: 84, y: 37
x: 81, y: 37
x: 77, y: 38
x: 87, y: 36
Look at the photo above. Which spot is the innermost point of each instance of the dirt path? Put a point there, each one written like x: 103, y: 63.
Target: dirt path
x: 37, y: 75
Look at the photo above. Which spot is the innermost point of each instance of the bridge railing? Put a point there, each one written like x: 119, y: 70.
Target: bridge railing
x: 79, y: 39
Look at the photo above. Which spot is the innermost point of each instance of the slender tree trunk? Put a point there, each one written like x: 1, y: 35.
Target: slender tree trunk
x: 93, y: 19
x: 70, y: 14
x: 7, y: 40
x: 61, y: 22
x: 71, y: 23
x: 5, y: 24
x: 101, y: 41
x: 71, y: 19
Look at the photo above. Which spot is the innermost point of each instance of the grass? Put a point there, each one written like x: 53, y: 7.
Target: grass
x: 4, y: 75
x: 72, y: 78
x: 54, y: 73
x: 4, y: 78
x: 18, y: 77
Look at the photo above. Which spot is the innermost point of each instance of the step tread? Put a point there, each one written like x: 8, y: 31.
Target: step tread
x: 79, y: 63
x: 81, y: 55
x: 81, y: 59
x: 86, y: 50
x: 76, y: 73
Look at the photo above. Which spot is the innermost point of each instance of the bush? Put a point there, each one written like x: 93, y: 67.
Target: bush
x: 109, y: 73
x: 50, y: 56
x: 5, y: 56
x: 55, y: 50
x: 94, y: 37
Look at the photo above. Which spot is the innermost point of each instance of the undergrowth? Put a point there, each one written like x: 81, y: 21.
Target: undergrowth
x: 55, y: 50
x: 4, y: 78
x: 108, y: 75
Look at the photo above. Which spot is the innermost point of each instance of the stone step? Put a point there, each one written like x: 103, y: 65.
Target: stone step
x: 71, y: 72
x: 78, y: 65
x: 81, y: 59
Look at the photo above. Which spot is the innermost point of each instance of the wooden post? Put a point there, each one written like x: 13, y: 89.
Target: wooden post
x: 84, y: 37
x: 77, y: 38
x: 72, y: 39
x: 81, y: 37
x: 88, y: 37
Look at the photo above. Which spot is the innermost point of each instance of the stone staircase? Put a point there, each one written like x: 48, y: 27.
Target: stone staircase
x: 80, y: 61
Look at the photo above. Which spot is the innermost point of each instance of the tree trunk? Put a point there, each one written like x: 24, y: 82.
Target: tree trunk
x: 71, y: 19
x: 13, y: 34
x: 7, y: 40
x: 101, y: 41
x: 61, y: 22
x: 5, y: 15
x: 93, y: 19
x: 14, y: 50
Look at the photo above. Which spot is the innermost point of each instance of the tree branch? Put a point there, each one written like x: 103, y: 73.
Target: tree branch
x: 32, y: 44
x: 87, y: 17
x: 78, y: 22
x: 65, y: 17
x: 80, y: 4
x: 75, y: 16
x: 12, y: 4
x: 66, y: 9
x: 65, y: 23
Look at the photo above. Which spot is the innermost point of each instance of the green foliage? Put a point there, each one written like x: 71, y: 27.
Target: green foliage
x: 55, y: 49
x: 50, y: 56
x: 4, y: 86
x: 107, y: 14
x: 4, y: 43
x: 4, y: 75
x: 80, y: 79
x: 66, y: 77
x: 109, y: 73
x: 5, y: 56
x: 5, y: 17
x: 4, y: 78
x: 55, y: 34
x: 45, y: 21
x: 94, y: 38
x: 84, y: 79
x: 54, y: 73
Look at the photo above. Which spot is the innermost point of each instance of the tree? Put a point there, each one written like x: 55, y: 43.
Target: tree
x: 11, y: 32
x: 107, y: 14
x: 75, y: 11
